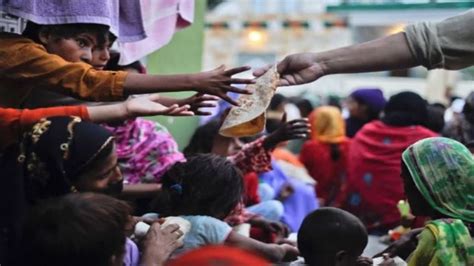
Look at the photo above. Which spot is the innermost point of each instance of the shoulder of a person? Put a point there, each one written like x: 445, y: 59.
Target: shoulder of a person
x: 8, y: 39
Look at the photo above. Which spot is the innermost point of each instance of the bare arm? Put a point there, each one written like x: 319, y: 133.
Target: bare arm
x: 215, y: 82
x: 146, y: 105
x: 387, y: 53
x: 273, y: 252
x: 140, y: 190
x: 391, y: 52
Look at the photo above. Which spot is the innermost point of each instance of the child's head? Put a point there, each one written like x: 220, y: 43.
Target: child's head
x: 330, y: 236
x: 77, y: 229
x: 73, y: 42
x: 204, y: 185
x: 206, y: 139
x: 63, y: 154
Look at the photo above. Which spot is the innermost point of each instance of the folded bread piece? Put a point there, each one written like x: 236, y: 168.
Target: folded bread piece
x: 249, y: 118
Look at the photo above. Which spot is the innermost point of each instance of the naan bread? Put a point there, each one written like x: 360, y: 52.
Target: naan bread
x: 249, y: 118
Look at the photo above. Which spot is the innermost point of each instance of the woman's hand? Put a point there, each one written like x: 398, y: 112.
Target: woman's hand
x: 218, y: 82
x: 160, y: 243
x: 404, y: 246
x: 296, y: 69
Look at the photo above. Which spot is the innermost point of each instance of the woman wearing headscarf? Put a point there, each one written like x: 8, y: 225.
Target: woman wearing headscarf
x: 374, y: 186
x: 59, y: 155
x: 325, y: 154
x: 438, y: 174
x: 364, y: 106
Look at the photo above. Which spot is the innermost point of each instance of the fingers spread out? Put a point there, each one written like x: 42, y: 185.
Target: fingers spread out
x: 237, y: 90
x: 241, y: 81
x: 226, y: 98
x: 236, y: 70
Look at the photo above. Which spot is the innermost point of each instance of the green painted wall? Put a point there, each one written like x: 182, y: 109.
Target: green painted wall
x: 182, y: 55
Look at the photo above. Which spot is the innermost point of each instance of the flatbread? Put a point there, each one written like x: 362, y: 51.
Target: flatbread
x: 184, y: 225
x: 249, y: 118
x: 141, y: 228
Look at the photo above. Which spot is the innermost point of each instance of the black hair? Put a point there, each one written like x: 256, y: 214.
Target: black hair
x: 204, y: 185
x: 113, y: 64
x: 405, y: 109
x: 203, y: 138
x: 327, y: 231
x: 77, y: 229
x: 435, y: 120
x: 335, y: 151
x: 67, y: 31
x: 276, y: 101
x: 304, y: 105
x: 372, y: 113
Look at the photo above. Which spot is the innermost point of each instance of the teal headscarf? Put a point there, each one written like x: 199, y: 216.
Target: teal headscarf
x: 443, y: 171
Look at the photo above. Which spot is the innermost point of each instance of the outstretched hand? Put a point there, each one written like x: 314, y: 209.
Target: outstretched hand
x: 295, y: 69
x: 148, y: 105
x: 219, y: 82
x: 294, y: 129
x: 198, y: 101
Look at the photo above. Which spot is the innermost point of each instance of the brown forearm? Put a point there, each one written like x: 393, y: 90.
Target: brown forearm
x: 387, y: 53
x: 141, y: 83
x: 108, y: 113
x: 140, y: 190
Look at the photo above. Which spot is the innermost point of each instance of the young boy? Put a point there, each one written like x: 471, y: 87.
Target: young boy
x: 57, y: 58
x: 331, y: 237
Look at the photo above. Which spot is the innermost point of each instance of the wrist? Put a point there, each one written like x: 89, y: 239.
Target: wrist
x: 194, y: 81
x: 322, y: 60
x: 122, y: 110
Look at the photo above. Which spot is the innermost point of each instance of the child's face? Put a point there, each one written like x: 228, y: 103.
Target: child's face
x: 101, y: 55
x: 102, y: 177
x: 76, y: 49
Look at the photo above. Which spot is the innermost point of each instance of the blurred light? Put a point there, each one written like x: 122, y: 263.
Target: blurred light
x: 255, y: 36
x: 396, y: 29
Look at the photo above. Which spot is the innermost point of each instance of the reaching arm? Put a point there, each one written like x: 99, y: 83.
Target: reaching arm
x: 146, y: 105
x: 215, y: 82
x: 273, y: 252
x: 391, y: 52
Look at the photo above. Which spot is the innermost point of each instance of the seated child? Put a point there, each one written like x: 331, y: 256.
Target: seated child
x: 204, y: 190
x: 331, y: 237
x: 90, y: 229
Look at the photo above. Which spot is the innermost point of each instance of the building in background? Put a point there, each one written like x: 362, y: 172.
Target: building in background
x: 259, y: 32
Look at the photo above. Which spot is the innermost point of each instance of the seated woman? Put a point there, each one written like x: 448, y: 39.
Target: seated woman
x: 325, y: 154
x: 438, y: 174
x: 58, y: 156
x: 373, y: 168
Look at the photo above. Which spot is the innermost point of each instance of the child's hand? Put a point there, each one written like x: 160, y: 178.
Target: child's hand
x: 295, y: 129
x: 148, y: 105
x: 218, y: 82
x: 198, y: 101
x: 290, y: 253
x: 270, y: 226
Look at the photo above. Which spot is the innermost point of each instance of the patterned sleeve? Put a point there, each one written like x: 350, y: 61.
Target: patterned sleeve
x: 253, y: 158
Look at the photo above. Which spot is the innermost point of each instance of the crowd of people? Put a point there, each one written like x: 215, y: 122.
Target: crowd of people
x: 79, y: 174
